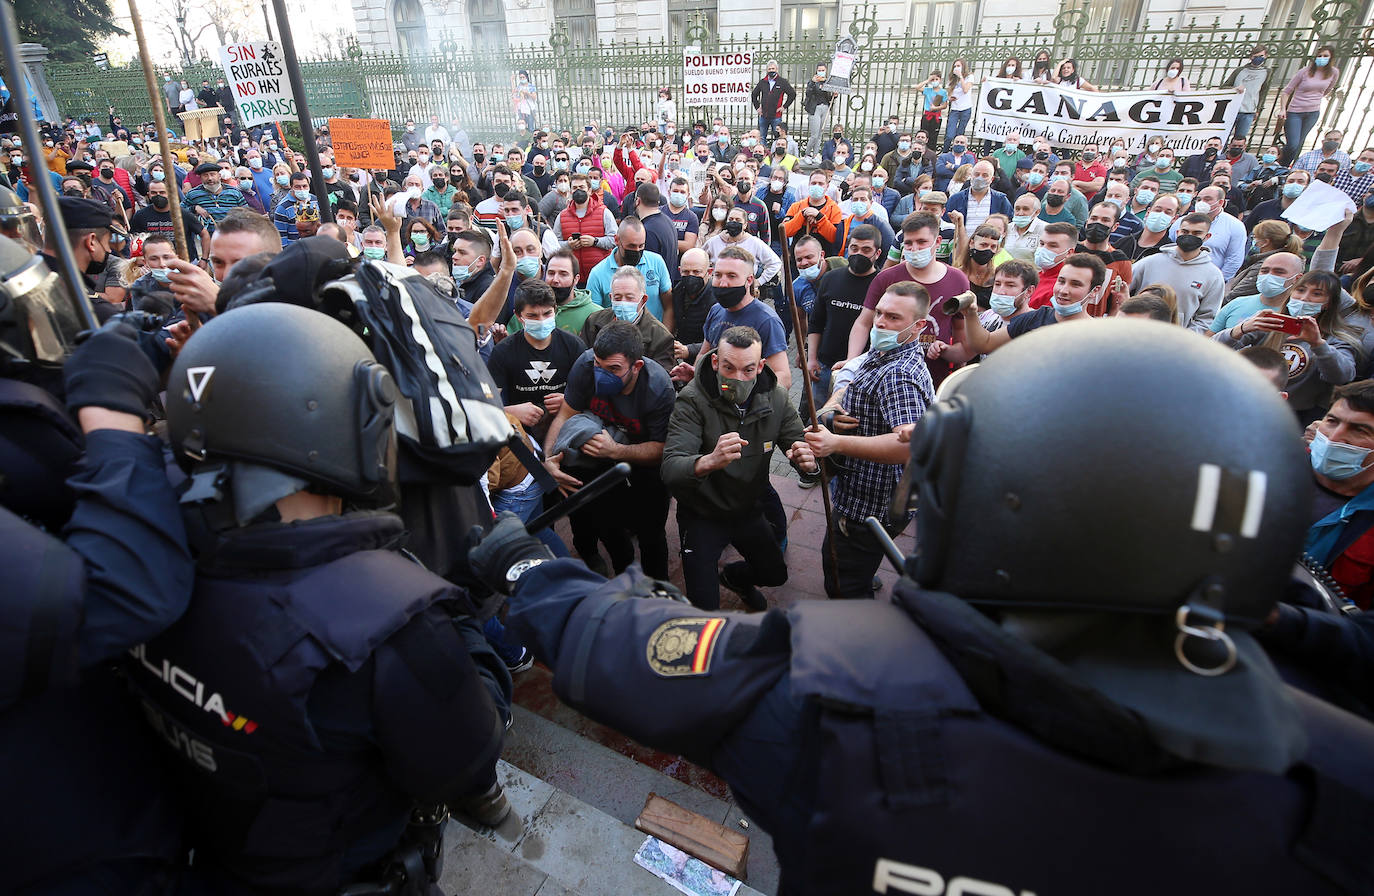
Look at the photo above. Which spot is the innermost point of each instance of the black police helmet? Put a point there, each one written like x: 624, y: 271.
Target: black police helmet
x: 38, y: 321
x: 1115, y: 465
x: 291, y: 389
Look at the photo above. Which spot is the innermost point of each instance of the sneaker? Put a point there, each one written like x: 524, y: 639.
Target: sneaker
x: 490, y: 809
x: 751, y: 597
x: 523, y: 663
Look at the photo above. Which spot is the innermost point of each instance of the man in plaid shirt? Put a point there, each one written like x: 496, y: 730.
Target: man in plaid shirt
x: 891, y: 389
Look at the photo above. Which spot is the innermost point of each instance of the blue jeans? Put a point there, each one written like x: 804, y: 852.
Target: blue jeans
x: 527, y: 506
x: 765, y: 123
x: 958, y: 121
x: 820, y: 388
x: 1243, y: 122
x: 1296, y: 127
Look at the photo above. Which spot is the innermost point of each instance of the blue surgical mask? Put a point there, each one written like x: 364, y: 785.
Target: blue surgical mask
x: 1270, y: 285
x: 420, y: 241
x: 885, y: 340
x: 1269, y: 158
x: 327, y: 173
x: 539, y: 329
x: 527, y: 267
x: 460, y: 273
x: 1045, y: 257
x: 301, y: 195
x: 1066, y: 310
x: 1299, y: 308
x: 376, y: 253
x: 816, y: 192
x: 160, y: 274
x: 1144, y: 197
x: 1362, y: 167
x: 1022, y: 220
x: 584, y: 168
x: 514, y: 222
x: 1336, y: 460
x: 904, y: 145
x: 879, y: 183
x: 1293, y: 191
x: 159, y: 176
x: 1157, y: 222
x: 1035, y: 178
x: 1322, y: 60
x: 918, y: 258
x: 857, y: 207
x: 1005, y: 306
x: 607, y: 383
x: 626, y: 311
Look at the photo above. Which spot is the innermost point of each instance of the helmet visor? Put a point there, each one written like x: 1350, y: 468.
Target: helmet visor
x: 43, y: 304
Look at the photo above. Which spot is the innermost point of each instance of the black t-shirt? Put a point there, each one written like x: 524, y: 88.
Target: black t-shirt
x: 839, y: 300
x: 524, y: 373
x: 643, y: 414
x: 150, y: 220
x: 1024, y: 323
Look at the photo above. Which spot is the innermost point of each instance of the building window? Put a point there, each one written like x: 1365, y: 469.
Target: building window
x: 682, y: 13
x: 578, y: 18
x: 812, y: 18
x: 944, y: 17
x: 487, y: 19
x: 412, y: 36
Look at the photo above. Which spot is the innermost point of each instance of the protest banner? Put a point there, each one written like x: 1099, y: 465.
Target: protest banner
x: 362, y: 143
x: 1072, y: 118
x: 717, y: 79
x: 256, y: 73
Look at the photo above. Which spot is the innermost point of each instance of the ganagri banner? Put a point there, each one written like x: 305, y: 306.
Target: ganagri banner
x: 717, y: 79
x: 1073, y: 118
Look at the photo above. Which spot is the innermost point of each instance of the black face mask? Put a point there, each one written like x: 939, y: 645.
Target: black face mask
x: 1330, y: 146
x: 538, y: 170
x: 440, y: 183
x: 1187, y: 242
x: 479, y: 157
x: 729, y: 296
x: 1096, y: 232
x: 95, y: 268
x: 106, y: 173
x: 1234, y: 152
x: 580, y: 196
x: 1209, y: 153
x: 562, y: 293
x: 631, y: 257
x: 1054, y: 200
x: 734, y: 228
x: 860, y: 265
x: 981, y: 256
x: 160, y: 202
x: 501, y: 190
x: 1042, y: 155
x: 689, y: 286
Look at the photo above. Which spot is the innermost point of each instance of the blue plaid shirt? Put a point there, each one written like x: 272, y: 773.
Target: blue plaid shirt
x: 890, y: 389
x: 217, y: 204
x: 1354, y: 187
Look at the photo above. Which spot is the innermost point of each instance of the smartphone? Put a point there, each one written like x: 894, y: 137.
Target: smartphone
x: 1290, y: 325
x: 575, y: 236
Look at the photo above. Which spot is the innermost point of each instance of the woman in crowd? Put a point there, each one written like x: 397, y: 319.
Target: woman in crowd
x: 1067, y: 76
x: 1011, y: 69
x: 665, y: 111
x: 1267, y: 238
x: 1173, y: 80
x: 1300, y: 103
x: 767, y: 264
x: 1251, y: 79
x: 977, y: 258
x: 420, y: 236
x: 960, y: 179
x: 713, y: 222
x: 936, y: 99
x: 281, y: 183
x: 1040, y: 68
x: 960, y: 86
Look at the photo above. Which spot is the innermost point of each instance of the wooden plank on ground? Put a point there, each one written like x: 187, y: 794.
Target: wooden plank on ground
x: 694, y: 834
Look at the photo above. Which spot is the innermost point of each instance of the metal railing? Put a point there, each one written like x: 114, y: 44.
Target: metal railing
x: 615, y: 84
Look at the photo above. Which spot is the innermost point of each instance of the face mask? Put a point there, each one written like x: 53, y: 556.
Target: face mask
x: 1089, y: 156
x: 918, y: 258
x: 729, y: 296
x: 1184, y: 199
x: 160, y: 274
x: 440, y: 184
x: 420, y: 241
x: 1164, y: 162
x: 1157, y: 222
x: 461, y: 272
x: 811, y: 273
x: 301, y: 195
x: 1003, y: 305
x: 514, y: 222
x: 677, y: 201
x: 1269, y: 158
x: 777, y: 186
x: 1322, y: 60
x: 734, y: 228
x: 1054, y: 200
x: 904, y: 145
x: 1035, y: 178
x: 1096, y: 232
x: 1188, y: 242
x: 539, y: 329
x: 841, y: 161
x: 1270, y: 285
x: 527, y: 267
x: 255, y: 164
x: 626, y: 311
x: 978, y: 184
x: 1257, y: 60
x: 1336, y: 460
x: 327, y: 173
x: 1362, y: 167
x: 607, y: 383
x: 860, y: 265
x: 1119, y: 203
x: 885, y: 340
x: 246, y: 183
x: 160, y: 202
x: 562, y: 293
x: 981, y: 256
x: 595, y: 183
x: 281, y: 179
x: 584, y: 169
x: 879, y: 183
x: 1202, y: 207
x: 1021, y: 220
x: 579, y: 196
x: 1045, y: 257
x: 1119, y: 163
x: 858, y: 208
x: 816, y: 192
x: 1330, y: 146
x: 1066, y: 310
x: 1174, y: 73
x: 960, y: 149
x: 1293, y: 191
x: 736, y: 391
x: 376, y: 253
x: 631, y: 257
x: 1299, y: 308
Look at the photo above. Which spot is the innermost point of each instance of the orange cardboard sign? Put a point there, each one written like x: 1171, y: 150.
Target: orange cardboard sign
x: 362, y: 143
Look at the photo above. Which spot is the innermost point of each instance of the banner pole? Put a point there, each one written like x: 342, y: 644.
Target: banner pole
x: 293, y: 74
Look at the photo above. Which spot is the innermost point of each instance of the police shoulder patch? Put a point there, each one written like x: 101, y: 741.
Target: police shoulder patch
x: 684, y: 646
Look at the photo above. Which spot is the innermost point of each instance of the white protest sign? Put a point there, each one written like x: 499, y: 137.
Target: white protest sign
x: 256, y: 73
x: 1073, y: 118
x: 1320, y: 206
x: 717, y: 79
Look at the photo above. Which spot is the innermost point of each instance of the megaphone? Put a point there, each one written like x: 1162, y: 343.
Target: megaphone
x: 956, y: 304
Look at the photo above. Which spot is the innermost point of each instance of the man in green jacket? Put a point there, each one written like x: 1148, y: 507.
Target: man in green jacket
x: 725, y: 426
x: 574, y: 305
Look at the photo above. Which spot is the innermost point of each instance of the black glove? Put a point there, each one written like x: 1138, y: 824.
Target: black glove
x: 505, y: 553
x: 109, y: 370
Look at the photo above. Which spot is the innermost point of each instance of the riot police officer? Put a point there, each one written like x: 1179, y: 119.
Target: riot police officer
x: 318, y: 686
x: 1062, y: 696
x: 95, y: 561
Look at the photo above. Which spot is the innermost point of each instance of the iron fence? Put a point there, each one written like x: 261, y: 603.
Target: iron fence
x: 616, y: 84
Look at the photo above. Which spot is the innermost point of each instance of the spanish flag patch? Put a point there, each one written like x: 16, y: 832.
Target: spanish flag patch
x: 684, y: 646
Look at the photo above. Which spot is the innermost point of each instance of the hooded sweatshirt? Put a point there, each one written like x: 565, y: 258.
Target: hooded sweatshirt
x: 1197, y: 282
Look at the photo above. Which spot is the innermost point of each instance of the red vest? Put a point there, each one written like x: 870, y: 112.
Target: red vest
x: 592, y: 224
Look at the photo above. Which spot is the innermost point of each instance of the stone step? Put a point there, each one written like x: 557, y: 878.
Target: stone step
x: 553, y: 844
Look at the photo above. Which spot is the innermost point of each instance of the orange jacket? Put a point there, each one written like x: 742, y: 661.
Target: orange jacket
x: 825, y: 226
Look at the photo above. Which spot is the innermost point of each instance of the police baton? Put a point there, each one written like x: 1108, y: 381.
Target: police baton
x: 894, y: 553
x: 53, y: 229
x: 581, y: 498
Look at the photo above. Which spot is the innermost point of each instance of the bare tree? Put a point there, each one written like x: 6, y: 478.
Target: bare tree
x: 234, y: 20
x: 175, y: 23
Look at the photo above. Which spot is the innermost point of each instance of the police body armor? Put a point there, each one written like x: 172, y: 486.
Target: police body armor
x: 931, y: 794
x: 228, y: 687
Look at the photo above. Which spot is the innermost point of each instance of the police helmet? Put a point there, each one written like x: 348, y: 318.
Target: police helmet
x: 1112, y: 465
x: 17, y: 221
x: 38, y: 320
x: 283, y: 387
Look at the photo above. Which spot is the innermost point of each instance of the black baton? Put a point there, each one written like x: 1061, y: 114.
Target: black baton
x: 580, y: 498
